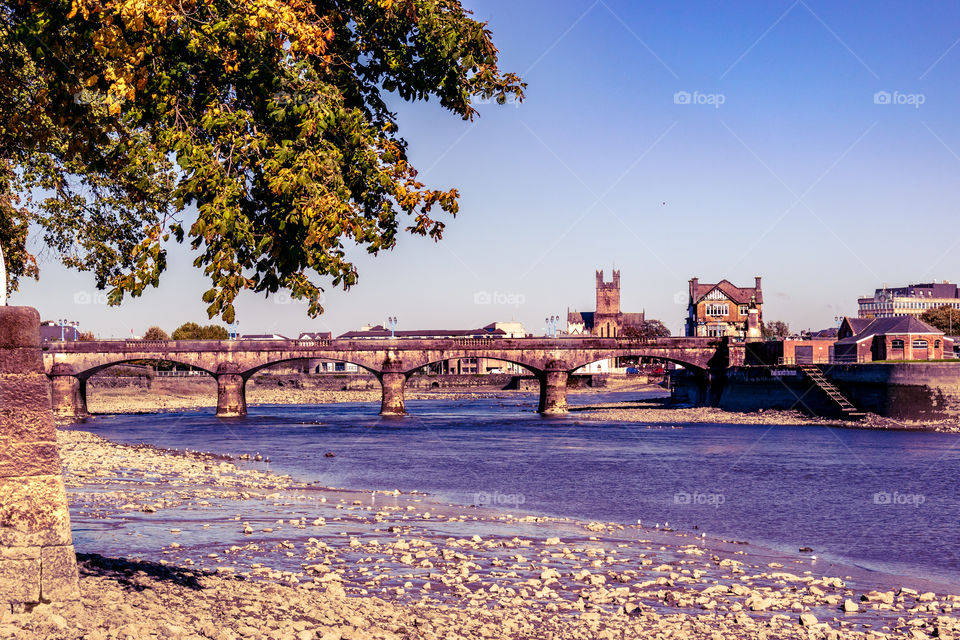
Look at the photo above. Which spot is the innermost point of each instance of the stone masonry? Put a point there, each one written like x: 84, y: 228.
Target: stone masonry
x: 37, y: 560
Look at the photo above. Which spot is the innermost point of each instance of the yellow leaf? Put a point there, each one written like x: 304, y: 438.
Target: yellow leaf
x: 73, y: 10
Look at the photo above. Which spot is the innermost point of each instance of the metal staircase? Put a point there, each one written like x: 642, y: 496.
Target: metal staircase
x: 847, y: 408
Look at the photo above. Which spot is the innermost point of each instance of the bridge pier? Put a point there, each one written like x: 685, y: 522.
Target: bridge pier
x: 69, y: 392
x: 231, y: 391
x: 553, y: 391
x: 37, y: 559
x: 392, y: 383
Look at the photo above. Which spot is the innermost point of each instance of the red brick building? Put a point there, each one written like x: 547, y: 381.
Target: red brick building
x: 723, y: 309
x: 898, y: 338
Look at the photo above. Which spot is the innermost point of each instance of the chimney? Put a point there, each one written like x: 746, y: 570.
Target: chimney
x: 757, y: 283
x: 693, y: 287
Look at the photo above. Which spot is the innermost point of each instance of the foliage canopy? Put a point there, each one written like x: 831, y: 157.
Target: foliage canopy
x: 945, y: 318
x: 193, y: 331
x: 257, y: 131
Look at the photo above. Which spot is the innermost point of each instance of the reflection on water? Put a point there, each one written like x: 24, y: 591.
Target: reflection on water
x: 880, y: 499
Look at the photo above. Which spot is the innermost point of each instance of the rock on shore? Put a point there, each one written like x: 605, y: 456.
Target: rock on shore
x: 241, y: 552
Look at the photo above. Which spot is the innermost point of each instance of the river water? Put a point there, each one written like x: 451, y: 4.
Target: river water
x: 880, y: 500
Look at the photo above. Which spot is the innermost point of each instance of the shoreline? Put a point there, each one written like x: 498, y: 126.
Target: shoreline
x: 652, y: 411
x: 371, y: 562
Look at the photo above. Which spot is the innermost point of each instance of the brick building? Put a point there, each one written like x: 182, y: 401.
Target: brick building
x: 723, y: 309
x: 898, y: 338
x: 608, y: 321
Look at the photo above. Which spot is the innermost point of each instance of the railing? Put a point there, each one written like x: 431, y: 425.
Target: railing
x: 312, y: 343
x: 178, y: 374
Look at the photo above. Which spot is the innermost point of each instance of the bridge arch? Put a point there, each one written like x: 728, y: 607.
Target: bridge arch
x: 689, y: 366
x: 94, y: 370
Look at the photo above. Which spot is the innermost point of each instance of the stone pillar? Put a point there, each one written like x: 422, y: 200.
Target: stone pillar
x: 553, y: 391
x: 69, y: 392
x: 231, y: 391
x: 392, y: 381
x: 37, y: 560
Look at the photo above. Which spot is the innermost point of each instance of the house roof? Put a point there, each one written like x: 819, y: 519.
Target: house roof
x: 885, y: 326
x: 740, y: 295
x: 315, y: 335
x: 588, y: 318
x: 857, y: 324
x: 581, y: 317
x: 381, y: 332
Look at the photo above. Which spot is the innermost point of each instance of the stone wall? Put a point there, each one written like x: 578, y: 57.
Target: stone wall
x: 910, y: 391
x: 37, y: 560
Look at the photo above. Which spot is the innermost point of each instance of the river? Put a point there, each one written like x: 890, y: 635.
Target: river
x: 880, y: 500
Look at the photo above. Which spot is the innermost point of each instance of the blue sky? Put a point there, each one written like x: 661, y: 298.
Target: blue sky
x: 784, y: 163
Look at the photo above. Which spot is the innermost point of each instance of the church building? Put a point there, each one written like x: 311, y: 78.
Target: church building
x: 607, y: 321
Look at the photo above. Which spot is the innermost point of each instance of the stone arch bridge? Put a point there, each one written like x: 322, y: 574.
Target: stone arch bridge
x: 392, y: 361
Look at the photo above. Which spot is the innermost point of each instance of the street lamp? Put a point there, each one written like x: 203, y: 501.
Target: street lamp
x: 551, y: 322
x: 63, y: 323
x: 392, y: 321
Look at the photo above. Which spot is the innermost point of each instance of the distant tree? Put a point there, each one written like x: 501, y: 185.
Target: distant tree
x: 649, y: 329
x: 945, y: 318
x: 155, y: 333
x: 86, y: 336
x: 193, y: 331
x: 776, y: 329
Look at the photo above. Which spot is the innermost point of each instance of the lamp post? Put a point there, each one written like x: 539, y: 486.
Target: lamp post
x: 63, y: 323
x: 551, y: 322
x: 392, y: 321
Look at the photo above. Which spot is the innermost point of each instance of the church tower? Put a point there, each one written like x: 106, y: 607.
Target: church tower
x: 608, y: 294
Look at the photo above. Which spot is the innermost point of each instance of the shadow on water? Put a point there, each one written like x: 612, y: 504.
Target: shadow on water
x: 124, y: 571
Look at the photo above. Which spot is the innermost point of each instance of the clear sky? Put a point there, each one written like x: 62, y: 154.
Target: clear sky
x: 781, y: 159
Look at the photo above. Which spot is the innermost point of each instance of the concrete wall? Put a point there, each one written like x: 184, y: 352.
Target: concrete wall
x: 913, y: 391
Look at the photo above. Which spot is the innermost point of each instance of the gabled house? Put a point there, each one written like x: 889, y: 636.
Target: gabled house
x: 724, y: 309
x: 898, y: 338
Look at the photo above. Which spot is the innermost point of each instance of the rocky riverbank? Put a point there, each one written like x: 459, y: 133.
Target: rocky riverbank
x: 194, y: 545
x: 659, y: 411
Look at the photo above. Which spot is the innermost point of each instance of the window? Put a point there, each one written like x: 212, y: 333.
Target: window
x: 744, y: 309
x: 936, y: 344
x: 896, y: 344
x: 717, y: 309
x: 716, y: 332
x: 919, y: 344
